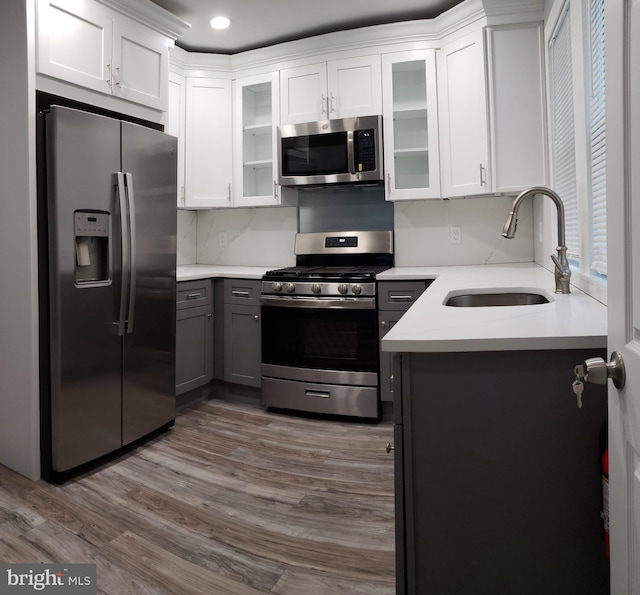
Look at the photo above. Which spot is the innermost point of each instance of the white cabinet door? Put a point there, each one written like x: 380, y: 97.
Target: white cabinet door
x: 140, y: 64
x: 86, y: 44
x: 75, y: 42
x: 337, y: 89
x: 303, y: 94
x: 175, y: 124
x: 410, y: 122
x: 354, y: 87
x: 517, y: 106
x: 208, y: 143
x: 462, y: 110
x: 256, y: 113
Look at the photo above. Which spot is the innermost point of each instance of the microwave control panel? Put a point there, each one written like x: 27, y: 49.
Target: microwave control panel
x: 365, y: 150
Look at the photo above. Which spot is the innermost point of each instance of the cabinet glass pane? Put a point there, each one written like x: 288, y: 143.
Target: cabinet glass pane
x: 257, y: 145
x: 410, y: 133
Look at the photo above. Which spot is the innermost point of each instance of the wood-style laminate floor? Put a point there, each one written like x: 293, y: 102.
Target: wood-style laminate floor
x: 232, y: 500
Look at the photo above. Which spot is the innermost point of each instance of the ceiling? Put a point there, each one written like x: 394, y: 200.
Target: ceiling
x: 259, y: 23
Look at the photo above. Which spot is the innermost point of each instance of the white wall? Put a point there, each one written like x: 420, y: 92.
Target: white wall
x: 187, y: 237
x: 265, y: 236
x: 422, y: 235
x: 254, y: 237
x: 19, y: 406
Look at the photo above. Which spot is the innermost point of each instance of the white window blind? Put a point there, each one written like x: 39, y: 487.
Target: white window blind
x: 563, y: 133
x: 598, y: 140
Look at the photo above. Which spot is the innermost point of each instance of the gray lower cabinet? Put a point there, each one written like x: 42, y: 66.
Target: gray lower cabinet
x: 498, y: 480
x: 394, y: 299
x: 194, y: 335
x: 242, y: 332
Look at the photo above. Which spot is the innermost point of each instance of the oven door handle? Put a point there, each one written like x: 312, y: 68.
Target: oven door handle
x: 305, y: 302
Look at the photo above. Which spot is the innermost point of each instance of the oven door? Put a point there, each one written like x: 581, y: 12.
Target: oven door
x: 321, y: 335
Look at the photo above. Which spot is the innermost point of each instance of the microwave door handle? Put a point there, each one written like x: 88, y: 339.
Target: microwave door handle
x: 132, y: 251
x: 351, y: 161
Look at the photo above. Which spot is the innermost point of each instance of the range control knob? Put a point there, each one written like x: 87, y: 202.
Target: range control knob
x: 356, y: 289
x: 342, y: 288
x: 289, y: 287
x: 277, y: 286
x: 315, y: 288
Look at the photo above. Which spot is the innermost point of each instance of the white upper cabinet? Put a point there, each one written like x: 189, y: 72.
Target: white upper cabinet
x: 516, y: 106
x: 336, y: 89
x: 410, y: 124
x: 462, y: 110
x: 175, y: 125
x: 256, y: 112
x: 208, y: 145
x: 85, y: 43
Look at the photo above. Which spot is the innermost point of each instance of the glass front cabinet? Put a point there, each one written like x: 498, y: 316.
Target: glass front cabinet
x: 410, y: 121
x: 256, y: 113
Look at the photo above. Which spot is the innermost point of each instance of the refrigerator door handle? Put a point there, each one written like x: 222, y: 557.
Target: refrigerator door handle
x: 132, y: 251
x: 124, y: 240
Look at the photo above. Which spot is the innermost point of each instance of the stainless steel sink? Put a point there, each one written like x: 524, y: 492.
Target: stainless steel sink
x: 514, y: 298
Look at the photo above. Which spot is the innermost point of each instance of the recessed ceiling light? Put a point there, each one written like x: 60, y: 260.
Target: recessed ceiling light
x: 220, y: 22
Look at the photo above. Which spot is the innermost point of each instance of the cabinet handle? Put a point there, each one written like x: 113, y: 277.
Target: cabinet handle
x: 256, y: 318
x: 483, y: 181
x: 109, y: 81
x: 117, y: 77
x: 400, y: 298
x: 193, y: 296
x: 317, y: 393
x: 238, y: 293
x: 389, y: 448
x: 324, y: 111
x: 331, y: 108
x: 229, y: 192
x: 275, y: 190
x: 209, y: 316
x: 383, y: 324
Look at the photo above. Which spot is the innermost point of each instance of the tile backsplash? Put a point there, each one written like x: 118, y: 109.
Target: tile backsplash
x: 423, y: 235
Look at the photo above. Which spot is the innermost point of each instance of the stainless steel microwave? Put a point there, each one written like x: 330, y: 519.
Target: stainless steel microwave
x: 340, y: 151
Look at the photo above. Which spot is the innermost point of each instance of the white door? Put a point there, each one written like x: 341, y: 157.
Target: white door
x: 140, y: 64
x: 74, y: 43
x: 354, y: 87
x: 303, y: 94
x: 462, y: 111
x: 208, y: 143
x: 623, y: 216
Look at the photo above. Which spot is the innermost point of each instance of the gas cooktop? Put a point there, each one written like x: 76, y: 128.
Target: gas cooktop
x: 327, y: 272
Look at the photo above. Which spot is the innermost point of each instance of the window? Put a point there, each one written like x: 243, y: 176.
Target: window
x: 578, y: 136
x: 598, y: 147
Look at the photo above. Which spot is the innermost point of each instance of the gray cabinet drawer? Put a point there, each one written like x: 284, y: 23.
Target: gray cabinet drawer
x: 399, y: 295
x: 242, y: 291
x: 193, y: 294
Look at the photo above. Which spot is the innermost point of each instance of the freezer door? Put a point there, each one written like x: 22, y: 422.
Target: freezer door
x: 84, y: 351
x: 148, y: 399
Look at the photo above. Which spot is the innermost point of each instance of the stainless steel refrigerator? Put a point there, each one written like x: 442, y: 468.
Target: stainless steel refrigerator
x: 109, y: 284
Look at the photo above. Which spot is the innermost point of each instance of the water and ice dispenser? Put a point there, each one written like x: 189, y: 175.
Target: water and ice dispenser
x: 92, y: 238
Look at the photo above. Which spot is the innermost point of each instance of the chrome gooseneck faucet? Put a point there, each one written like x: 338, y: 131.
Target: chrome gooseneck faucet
x: 562, y: 271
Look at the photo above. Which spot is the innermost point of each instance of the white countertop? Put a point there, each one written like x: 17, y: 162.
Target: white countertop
x: 192, y: 272
x: 569, y: 321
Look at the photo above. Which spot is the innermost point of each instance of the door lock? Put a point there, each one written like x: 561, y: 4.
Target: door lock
x: 598, y: 371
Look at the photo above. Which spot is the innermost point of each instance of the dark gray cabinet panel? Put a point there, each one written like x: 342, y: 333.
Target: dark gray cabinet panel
x: 194, y: 335
x: 386, y: 321
x: 399, y: 295
x: 242, y: 332
x: 500, y: 475
x: 394, y: 299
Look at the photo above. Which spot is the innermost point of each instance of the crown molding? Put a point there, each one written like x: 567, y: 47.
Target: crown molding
x: 151, y: 15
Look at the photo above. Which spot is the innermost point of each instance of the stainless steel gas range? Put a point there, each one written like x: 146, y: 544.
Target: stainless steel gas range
x: 319, y: 325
